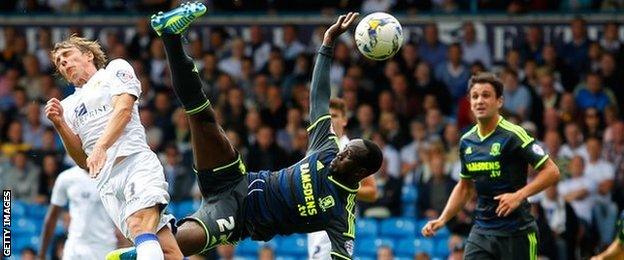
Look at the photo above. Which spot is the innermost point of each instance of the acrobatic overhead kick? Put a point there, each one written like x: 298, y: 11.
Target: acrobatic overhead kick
x: 317, y: 193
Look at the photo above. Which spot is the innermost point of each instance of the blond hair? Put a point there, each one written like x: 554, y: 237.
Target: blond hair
x: 84, y: 45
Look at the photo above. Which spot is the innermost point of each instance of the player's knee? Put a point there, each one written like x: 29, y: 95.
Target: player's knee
x: 171, y: 253
x: 143, y: 221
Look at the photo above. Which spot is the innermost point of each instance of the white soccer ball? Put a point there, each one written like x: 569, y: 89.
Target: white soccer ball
x: 379, y: 36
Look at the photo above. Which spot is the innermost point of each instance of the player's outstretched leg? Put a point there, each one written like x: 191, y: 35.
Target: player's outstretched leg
x: 211, y: 147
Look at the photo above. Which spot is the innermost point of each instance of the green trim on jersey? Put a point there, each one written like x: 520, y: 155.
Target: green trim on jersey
x: 339, y: 255
x: 342, y: 186
x: 542, y: 161
x: 474, y: 128
x: 198, y: 109
x: 317, y: 121
x: 532, y: 246
x: 500, y: 118
x: 351, y: 220
x: 517, y: 130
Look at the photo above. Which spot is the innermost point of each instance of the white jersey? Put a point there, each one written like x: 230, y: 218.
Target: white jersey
x: 90, y: 224
x: 89, y: 109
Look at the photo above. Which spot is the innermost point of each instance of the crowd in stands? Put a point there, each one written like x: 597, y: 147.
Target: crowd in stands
x: 324, y: 6
x: 568, y: 95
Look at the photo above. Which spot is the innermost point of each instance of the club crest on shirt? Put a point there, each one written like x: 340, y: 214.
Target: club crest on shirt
x: 495, y: 149
x: 124, y: 76
x: 80, y: 110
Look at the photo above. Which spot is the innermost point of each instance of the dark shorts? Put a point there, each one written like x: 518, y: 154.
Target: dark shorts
x: 518, y: 247
x: 221, y: 212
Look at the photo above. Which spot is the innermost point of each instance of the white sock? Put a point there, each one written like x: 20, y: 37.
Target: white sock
x: 147, y: 247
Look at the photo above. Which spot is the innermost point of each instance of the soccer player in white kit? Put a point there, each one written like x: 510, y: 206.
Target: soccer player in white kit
x: 100, y: 128
x: 319, y: 245
x: 91, y: 233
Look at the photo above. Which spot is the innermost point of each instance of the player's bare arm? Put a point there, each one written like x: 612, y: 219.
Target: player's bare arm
x: 122, y: 112
x: 71, y: 141
x: 48, y: 229
x: 547, y: 176
x: 464, y: 190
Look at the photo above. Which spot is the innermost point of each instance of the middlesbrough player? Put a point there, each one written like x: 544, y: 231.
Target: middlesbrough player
x: 316, y: 193
x: 319, y: 245
x: 100, y: 128
x: 91, y: 233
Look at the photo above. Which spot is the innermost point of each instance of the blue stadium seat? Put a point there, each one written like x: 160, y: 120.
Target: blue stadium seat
x: 409, y: 210
x: 367, y: 247
x: 409, y: 194
x: 287, y: 257
x: 412, y: 246
x: 441, y: 248
x: 403, y: 258
x: 185, y: 208
x: 247, y: 247
x: 366, y: 227
x: 293, y: 245
x: 37, y: 211
x: 398, y: 227
x: 363, y: 258
x: 245, y: 257
x: 18, y: 209
x: 25, y: 227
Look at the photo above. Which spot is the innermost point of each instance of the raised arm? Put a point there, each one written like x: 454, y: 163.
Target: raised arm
x: 71, y: 141
x: 320, y: 91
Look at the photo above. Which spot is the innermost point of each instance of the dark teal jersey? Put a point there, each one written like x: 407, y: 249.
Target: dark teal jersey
x: 304, y: 197
x: 498, y: 164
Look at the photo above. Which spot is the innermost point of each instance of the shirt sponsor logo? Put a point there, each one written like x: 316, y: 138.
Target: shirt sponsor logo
x: 80, y: 110
x: 124, y: 75
x: 483, y: 166
x: 95, y: 113
x: 309, y: 208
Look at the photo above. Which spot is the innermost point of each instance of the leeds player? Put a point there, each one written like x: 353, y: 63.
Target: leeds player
x: 317, y: 193
x: 91, y: 233
x: 100, y: 128
x: 319, y: 245
x: 495, y: 155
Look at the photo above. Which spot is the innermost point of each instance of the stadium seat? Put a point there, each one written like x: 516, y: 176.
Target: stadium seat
x: 409, y: 210
x: 245, y: 257
x: 409, y: 194
x: 25, y: 227
x: 184, y: 208
x: 247, y: 247
x: 368, y: 247
x: 18, y: 209
x: 37, y: 211
x: 412, y: 246
x: 287, y: 257
x: 366, y: 227
x: 441, y: 248
x: 403, y: 258
x: 293, y: 245
x: 363, y: 258
x: 398, y: 227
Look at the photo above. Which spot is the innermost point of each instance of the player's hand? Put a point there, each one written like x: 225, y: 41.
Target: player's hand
x: 336, y: 29
x: 54, y: 111
x: 507, y: 203
x: 96, y: 161
x: 431, y: 227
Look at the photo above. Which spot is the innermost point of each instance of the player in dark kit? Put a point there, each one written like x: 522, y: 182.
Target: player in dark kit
x: 495, y: 155
x: 317, y: 193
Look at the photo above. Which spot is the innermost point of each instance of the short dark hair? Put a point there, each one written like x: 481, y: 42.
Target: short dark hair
x: 485, y: 77
x: 373, y: 158
x: 338, y: 104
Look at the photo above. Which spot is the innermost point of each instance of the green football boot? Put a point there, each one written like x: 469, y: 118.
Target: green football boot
x: 177, y: 20
x: 128, y: 253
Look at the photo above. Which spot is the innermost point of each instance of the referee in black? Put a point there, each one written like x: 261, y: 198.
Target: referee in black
x: 495, y: 155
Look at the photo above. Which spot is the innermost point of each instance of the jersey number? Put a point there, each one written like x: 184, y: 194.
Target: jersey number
x: 226, y: 224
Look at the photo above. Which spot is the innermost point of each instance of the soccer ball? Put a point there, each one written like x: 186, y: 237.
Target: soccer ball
x: 379, y: 36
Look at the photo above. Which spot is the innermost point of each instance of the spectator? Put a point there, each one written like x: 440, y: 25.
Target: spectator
x: 614, y: 153
x: 409, y: 58
x: 593, y: 55
x: 472, y: 49
x: 552, y: 143
x: 425, y: 84
x: 384, y: 252
x: 391, y: 155
x: 531, y: 47
x: 562, y: 71
x: 234, y: 111
x: 610, y: 40
x: 286, y: 136
x: 454, y: 74
x: 592, y: 123
x: 517, y: 97
x: 575, y: 51
x: 28, y: 254
x: 266, y: 253
x: 257, y: 47
x: 225, y: 252
x: 153, y: 133
x: 612, y: 77
x: 33, y: 127
x: 178, y: 176
x: 592, y: 93
x: 290, y: 44
x: 562, y: 224
x: 49, y: 171
x: 568, y: 110
x: 365, y: 118
x: 577, y: 191
x: 434, y: 123
x: 451, y: 146
x: 232, y: 64
x: 274, y: 114
x: 431, y: 49
x: 549, y: 93
x: 391, y: 130
x: 410, y: 154
x: 42, y: 52
x: 21, y: 178
x: 32, y: 77
x: 141, y: 41
x: 264, y: 153
x: 433, y: 194
x: 406, y: 103
x: 574, y: 143
x: 15, y: 140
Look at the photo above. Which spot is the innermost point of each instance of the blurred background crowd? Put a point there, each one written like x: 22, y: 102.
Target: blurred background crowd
x: 569, y: 95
